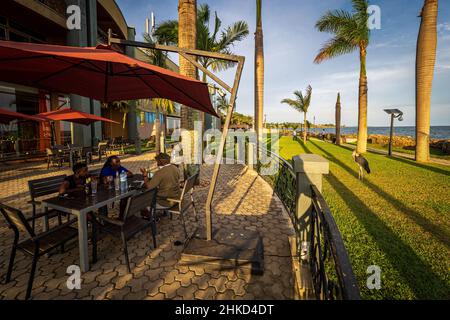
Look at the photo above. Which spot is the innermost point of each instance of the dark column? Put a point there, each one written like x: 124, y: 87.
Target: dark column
x: 86, y: 36
x: 133, y: 133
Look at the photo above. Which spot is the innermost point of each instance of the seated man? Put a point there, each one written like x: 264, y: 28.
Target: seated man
x: 111, y: 168
x: 77, y: 180
x: 166, y: 179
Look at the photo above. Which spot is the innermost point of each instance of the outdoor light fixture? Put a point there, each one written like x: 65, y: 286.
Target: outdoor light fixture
x: 395, y: 114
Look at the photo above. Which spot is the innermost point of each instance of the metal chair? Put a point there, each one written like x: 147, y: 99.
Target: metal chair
x: 44, y: 187
x: 185, y: 201
x: 34, y: 245
x: 132, y: 223
x: 53, y: 157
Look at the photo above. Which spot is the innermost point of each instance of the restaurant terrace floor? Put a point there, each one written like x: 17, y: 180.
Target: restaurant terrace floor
x: 242, y: 200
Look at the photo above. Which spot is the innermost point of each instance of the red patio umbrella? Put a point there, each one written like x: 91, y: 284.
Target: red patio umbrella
x: 6, y: 116
x: 74, y: 116
x: 99, y: 73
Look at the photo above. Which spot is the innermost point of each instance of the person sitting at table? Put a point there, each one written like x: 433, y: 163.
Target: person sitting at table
x: 75, y: 181
x: 166, y: 179
x: 111, y: 168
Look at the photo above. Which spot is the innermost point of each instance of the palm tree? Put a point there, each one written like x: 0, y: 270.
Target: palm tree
x: 259, y: 70
x: 338, y: 120
x: 213, y: 40
x: 163, y: 106
x: 350, y: 33
x: 425, y: 62
x: 301, y: 103
x: 187, y: 35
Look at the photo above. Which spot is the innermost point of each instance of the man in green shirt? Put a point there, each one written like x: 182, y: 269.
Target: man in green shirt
x: 166, y: 179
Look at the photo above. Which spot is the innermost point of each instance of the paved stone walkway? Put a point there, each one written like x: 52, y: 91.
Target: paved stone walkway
x: 243, y: 200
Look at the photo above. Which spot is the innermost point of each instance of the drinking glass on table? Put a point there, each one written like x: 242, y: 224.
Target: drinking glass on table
x: 94, y: 184
x: 109, y: 180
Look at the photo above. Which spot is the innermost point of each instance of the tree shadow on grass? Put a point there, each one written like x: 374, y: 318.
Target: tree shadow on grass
x: 408, y: 162
x: 303, y: 145
x: 409, y: 265
x: 437, y: 231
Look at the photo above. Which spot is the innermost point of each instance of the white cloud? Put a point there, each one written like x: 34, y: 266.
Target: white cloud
x: 443, y: 27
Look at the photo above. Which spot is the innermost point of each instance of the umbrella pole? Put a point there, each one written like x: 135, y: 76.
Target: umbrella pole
x: 53, y: 133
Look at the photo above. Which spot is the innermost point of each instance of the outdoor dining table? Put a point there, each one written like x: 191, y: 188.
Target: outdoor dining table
x: 80, y: 204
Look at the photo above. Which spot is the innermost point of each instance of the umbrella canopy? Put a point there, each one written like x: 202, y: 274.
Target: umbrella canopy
x: 6, y: 116
x: 99, y: 73
x: 74, y: 116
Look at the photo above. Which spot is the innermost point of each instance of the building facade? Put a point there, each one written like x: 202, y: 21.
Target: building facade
x: 44, y: 21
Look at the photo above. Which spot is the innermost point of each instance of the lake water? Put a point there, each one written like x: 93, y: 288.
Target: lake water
x: 436, y: 132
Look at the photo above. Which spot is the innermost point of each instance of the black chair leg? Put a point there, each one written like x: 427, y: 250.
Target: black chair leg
x: 94, y: 240
x: 184, y: 224
x: 32, y: 272
x: 11, y: 259
x: 33, y: 222
x: 125, y: 251
x: 153, y: 226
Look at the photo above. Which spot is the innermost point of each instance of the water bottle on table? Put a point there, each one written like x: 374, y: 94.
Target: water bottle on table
x: 123, y: 182
x: 117, y: 182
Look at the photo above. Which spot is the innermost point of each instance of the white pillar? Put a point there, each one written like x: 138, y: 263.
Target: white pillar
x: 309, y: 169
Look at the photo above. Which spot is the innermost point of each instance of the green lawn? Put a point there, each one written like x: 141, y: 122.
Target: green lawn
x: 398, y: 219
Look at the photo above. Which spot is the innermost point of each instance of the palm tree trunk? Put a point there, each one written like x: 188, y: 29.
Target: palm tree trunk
x: 259, y: 72
x: 304, y: 127
x: 362, y: 103
x: 425, y: 62
x: 338, y: 120
x: 187, y: 38
x: 157, y: 132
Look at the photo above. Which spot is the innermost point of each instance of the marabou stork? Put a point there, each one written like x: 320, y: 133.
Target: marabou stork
x: 362, y: 163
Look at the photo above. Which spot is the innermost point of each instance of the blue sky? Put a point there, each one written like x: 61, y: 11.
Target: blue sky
x: 291, y: 43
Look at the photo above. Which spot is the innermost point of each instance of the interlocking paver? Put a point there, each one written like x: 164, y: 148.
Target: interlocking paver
x: 243, y: 200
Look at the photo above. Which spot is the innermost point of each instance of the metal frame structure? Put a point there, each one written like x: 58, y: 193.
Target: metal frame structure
x: 187, y: 54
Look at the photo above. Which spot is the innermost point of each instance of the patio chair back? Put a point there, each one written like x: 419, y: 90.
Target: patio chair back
x: 188, y: 186
x: 139, y: 202
x: 16, y: 220
x: 49, y: 152
x: 45, y: 186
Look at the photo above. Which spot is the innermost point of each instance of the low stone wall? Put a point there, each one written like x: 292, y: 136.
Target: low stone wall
x: 407, y: 143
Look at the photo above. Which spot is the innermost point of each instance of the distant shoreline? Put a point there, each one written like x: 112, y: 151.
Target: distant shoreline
x: 436, y: 132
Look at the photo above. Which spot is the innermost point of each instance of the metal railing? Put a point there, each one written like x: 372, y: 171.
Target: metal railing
x: 330, y: 267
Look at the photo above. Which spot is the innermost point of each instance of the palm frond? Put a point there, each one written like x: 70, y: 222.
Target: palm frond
x: 167, y: 32
x: 333, y: 48
x: 292, y: 103
x: 203, y: 14
x: 333, y: 21
x: 217, y: 25
x: 360, y: 6
x: 234, y: 33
